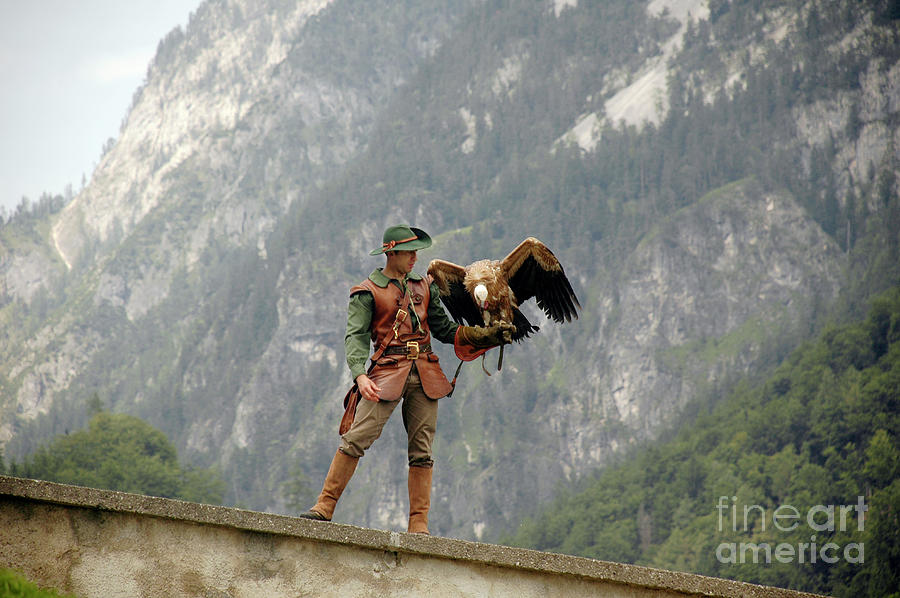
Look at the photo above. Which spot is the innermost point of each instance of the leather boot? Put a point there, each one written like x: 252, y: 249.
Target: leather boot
x: 419, y: 499
x: 340, y: 472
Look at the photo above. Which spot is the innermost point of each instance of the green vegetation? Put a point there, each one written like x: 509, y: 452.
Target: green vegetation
x: 121, y: 452
x: 183, y: 364
x: 610, y: 197
x: 13, y: 585
x: 823, y: 430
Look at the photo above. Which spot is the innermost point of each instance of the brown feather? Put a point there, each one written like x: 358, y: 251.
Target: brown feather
x: 530, y: 270
x: 530, y: 248
x: 444, y: 273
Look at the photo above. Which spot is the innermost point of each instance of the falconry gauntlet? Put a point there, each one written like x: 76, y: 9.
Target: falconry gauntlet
x: 485, y: 337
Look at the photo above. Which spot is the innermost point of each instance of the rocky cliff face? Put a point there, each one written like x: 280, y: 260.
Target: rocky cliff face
x: 707, y: 294
x: 237, y: 110
x: 241, y: 115
x: 194, y: 294
x: 205, y: 86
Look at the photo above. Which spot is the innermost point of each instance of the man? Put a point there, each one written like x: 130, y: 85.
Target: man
x: 399, y: 311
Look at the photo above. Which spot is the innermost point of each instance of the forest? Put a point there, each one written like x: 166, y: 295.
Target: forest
x: 713, y: 133
x: 119, y: 452
x: 819, y: 435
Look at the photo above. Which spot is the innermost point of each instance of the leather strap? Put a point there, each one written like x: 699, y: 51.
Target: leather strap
x: 391, y: 244
x: 401, y: 315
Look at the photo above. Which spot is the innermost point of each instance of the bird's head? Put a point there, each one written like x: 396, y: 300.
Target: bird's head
x: 481, y: 294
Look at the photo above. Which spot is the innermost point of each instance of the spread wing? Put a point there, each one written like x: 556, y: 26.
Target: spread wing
x: 533, y: 271
x: 449, y: 278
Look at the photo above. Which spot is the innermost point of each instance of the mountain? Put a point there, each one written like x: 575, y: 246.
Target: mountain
x: 820, y: 432
x: 718, y: 179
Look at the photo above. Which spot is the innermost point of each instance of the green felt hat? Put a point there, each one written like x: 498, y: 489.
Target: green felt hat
x: 403, y: 238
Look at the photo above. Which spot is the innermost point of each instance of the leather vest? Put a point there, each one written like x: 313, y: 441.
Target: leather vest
x: 392, y: 369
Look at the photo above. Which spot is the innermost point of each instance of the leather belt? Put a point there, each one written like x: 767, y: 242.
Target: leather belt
x: 412, y: 350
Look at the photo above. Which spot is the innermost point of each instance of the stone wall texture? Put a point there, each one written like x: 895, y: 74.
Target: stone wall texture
x: 97, y: 543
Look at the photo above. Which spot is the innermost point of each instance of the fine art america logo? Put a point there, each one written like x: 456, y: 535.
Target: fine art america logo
x: 820, y: 519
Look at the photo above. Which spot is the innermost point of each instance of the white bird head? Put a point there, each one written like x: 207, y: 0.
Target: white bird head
x: 481, y: 294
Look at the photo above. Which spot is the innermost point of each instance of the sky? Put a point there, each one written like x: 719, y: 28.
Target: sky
x: 68, y: 71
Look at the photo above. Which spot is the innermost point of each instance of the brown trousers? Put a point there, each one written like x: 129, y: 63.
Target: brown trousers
x: 419, y: 419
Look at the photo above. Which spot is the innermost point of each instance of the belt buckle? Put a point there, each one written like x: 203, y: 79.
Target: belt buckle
x: 412, y: 350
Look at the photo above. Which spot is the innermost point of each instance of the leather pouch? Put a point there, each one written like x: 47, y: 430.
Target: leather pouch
x: 351, y: 400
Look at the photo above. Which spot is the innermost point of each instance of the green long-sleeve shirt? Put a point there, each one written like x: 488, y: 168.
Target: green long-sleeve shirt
x: 358, y: 339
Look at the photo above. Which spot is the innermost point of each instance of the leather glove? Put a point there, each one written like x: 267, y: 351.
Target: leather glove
x: 491, y: 336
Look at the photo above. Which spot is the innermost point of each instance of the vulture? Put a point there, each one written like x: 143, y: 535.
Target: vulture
x: 488, y: 291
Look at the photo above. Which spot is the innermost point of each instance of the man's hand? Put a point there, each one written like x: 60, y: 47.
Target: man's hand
x: 368, y: 389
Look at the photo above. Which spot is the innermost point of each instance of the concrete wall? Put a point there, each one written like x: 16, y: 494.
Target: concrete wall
x: 96, y: 543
